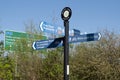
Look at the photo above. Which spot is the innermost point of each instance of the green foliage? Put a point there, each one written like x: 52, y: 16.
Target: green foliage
x: 1, y: 48
x: 88, y: 61
x: 97, y: 61
x: 6, y: 64
x: 53, y: 65
x: 6, y: 68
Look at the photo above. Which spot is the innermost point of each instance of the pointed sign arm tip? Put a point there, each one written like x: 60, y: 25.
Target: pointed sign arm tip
x: 99, y: 36
x: 41, y: 28
x: 34, y: 46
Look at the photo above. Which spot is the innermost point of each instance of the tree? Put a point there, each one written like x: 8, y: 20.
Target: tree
x: 53, y: 65
x: 98, y: 60
x: 6, y: 63
x: 1, y: 44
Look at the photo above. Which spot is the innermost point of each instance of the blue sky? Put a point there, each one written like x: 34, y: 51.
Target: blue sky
x: 87, y: 15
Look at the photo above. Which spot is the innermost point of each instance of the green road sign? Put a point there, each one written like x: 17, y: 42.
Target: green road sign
x: 11, y: 38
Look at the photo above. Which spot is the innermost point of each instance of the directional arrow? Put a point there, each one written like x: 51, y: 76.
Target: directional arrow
x: 58, y: 42
x: 46, y: 27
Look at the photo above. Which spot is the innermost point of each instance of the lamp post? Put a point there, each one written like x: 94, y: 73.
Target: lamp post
x: 65, y: 15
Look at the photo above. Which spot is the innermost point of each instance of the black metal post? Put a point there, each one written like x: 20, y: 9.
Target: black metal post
x: 66, y: 51
x: 65, y: 15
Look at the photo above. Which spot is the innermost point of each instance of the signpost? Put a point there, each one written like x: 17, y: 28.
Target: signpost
x: 11, y: 37
x: 49, y: 28
x: 51, y: 43
x: 65, y: 39
x: 59, y: 31
x: 65, y: 15
x: 85, y: 38
x: 58, y: 42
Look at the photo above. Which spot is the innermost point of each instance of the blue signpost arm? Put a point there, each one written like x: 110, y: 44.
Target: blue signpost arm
x: 56, y: 43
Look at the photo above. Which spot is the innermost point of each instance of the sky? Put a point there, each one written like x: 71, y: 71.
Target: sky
x: 87, y: 15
